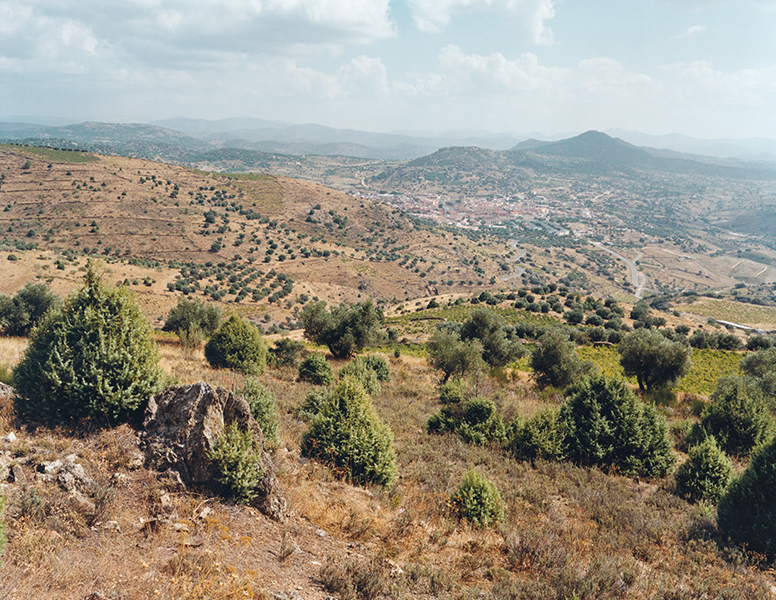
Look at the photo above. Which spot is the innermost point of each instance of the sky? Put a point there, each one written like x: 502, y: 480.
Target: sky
x: 705, y: 68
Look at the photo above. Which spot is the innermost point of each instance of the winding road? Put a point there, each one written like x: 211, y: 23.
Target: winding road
x: 638, y: 279
x: 520, y: 254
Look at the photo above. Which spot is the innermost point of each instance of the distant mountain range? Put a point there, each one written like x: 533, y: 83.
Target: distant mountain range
x: 253, y: 142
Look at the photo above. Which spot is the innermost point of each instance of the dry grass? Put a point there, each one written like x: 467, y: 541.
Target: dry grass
x: 568, y: 531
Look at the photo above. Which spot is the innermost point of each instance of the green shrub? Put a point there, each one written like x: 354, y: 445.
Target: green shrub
x: 359, y: 369
x: 313, y: 402
x: 316, y: 369
x: 348, y: 435
x: 379, y: 365
x: 706, y: 473
x: 263, y: 408
x: 478, y: 500
x: 18, y: 315
x: 606, y: 425
x: 344, y: 329
x: 747, y: 511
x: 286, y: 352
x: 476, y: 420
x: 193, y: 315
x: 541, y: 437
x: 94, y: 358
x: 554, y: 361
x: 737, y: 416
x: 238, y: 462
x: 239, y: 346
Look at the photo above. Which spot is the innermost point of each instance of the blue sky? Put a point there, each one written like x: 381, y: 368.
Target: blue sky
x: 705, y: 68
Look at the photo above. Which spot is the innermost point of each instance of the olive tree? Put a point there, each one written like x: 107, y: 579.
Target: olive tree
x: 653, y: 359
x: 344, y: 329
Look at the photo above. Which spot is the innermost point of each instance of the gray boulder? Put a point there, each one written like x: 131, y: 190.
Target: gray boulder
x: 182, y: 425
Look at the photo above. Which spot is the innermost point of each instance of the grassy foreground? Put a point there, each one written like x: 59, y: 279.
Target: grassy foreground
x: 568, y: 532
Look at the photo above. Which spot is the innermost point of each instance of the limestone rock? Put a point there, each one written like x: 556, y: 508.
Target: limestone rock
x: 182, y: 425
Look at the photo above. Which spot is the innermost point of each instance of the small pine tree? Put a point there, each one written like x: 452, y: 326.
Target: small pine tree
x: 348, y: 435
x: 747, y: 511
x: 605, y: 424
x: 541, y: 437
x: 239, y: 346
x: 94, y: 358
x: 316, y: 369
x: 475, y: 420
x: 359, y: 369
x: 238, y: 462
x: 706, y: 473
x: 737, y: 417
x: 263, y: 408
x: 478, y: 500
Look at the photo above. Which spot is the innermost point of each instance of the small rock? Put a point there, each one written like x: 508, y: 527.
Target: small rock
x: 16, y: 474
x: 166, y: 504
x: 10, y: 438
x: 118, y: 480
x: 111, y: 526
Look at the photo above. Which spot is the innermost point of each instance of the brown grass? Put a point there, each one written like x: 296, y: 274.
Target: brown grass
x: 568, y: 531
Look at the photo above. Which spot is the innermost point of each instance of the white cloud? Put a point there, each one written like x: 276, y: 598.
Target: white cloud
x: 692, y: 31
x: 698, y: 83
x: 434, y: 15
x: 365, y: 75
x: 494, y: 72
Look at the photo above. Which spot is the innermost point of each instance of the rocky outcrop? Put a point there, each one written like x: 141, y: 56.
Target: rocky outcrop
x: 182, y: 425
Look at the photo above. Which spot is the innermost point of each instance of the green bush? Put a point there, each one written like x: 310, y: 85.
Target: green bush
x: 263, y: 408
x: 348, y: 435
x: 94, y: 358
x: 554, y: 361
x: 747, y: 511
x: 379, y: 365
x: 239, y: 346
x: 238, y: 462
x: 344, y: 329
x: 606, y: 425
x: 316, y: 369
x: 475, y: 420
x: 313, y: 402
x: 192, y: 316
x: 18, y: 315
x: 359, y: 369
x: 706, y: 473
x: 541, y: 437
x: 737, y: 416
x: 478, y: 500
x: 286, y: 352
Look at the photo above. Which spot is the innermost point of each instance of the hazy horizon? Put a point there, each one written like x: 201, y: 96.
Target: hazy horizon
x: 701, y: 68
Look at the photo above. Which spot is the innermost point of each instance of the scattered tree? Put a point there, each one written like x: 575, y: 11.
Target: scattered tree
x: 737, y: 416
x: 454, y: 357
x: 190, y: 316
x: 606, y: 425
